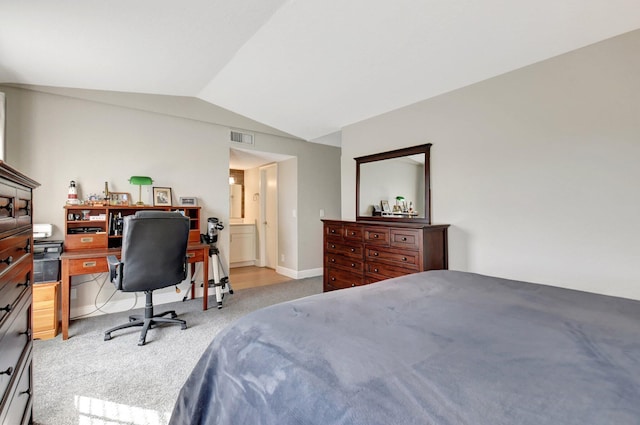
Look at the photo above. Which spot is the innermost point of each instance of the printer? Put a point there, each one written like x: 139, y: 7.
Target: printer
x: 46, y: 254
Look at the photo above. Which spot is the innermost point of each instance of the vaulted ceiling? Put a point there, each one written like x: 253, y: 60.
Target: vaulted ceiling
x: 305, y: 67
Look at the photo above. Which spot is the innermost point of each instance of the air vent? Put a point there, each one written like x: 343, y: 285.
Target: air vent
x: 239, y: 137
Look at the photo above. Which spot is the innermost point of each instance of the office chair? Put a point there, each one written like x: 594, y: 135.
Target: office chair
x: 154, y: 256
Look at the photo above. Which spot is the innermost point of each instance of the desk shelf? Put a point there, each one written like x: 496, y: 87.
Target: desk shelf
x: 96, y: 227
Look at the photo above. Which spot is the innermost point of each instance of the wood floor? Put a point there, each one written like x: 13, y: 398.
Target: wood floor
x: 251, y: 277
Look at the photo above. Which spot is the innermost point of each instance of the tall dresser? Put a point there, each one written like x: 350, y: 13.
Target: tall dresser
x: 360, y: 252
x: 16, y: 275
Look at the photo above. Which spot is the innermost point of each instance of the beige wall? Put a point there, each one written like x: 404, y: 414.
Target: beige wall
x: 55, y: 137
x: 536, y: 170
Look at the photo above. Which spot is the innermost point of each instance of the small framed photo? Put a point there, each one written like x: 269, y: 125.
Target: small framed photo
x: 119, y: 198
x: 161, y: 196
x: 188, y: 201
x: 385, y: 206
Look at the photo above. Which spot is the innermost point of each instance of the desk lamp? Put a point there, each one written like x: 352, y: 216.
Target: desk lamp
x: 140, y: 181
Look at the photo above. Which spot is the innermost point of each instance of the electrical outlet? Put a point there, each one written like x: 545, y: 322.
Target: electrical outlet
x: 74, y: 293
x: 282, y: 257
x: 321, y: 212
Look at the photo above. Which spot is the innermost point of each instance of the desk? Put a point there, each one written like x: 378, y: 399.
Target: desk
x: 88, y: 261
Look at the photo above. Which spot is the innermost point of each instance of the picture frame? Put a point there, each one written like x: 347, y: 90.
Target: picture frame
x: 188, y: 201
x: 385, y: 206
x: 119, y: 198
x: 161, y: 196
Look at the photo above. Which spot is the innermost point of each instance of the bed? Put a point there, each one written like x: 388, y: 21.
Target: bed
x: 439, y: 347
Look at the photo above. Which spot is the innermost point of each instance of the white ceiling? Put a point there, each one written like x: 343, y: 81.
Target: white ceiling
x: 305, y: 67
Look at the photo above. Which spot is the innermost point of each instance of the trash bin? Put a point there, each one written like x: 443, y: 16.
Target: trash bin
x: 46, y: 261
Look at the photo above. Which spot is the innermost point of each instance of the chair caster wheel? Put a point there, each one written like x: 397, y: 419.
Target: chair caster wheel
x: 183, y: 327
x: 141, y: 342
x: 231, y: 291
x: 107, y: 337
x: 174, y: 315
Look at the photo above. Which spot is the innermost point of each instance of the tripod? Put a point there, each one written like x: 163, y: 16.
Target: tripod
x: 221, y: 284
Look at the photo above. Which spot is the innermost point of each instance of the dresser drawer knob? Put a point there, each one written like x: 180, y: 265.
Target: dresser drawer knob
x: 353, y: 250
x: 7, y: 260
x: 375, y: 254
x: 27, y: 247
x: 353, y: 264
x: 27, y: 333
x: 404, y: 239
x: 333, y: 260
x: 376, y: 236
x: 332, y: 246
x: 353, y: 284
x: 26, y: 392
x: 7, y: 308
x: 7, y: 372
x: 333, y: 279
x: 404, y: 258
x: 375, y: 270
x: 333, y: 230
x: 353, y: 233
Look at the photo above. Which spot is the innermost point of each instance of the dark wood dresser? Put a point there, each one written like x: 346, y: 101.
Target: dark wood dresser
x: 361, y: 252
x: 16, y: 273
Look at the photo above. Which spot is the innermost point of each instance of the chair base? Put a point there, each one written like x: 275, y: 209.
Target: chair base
x: 147, y: 321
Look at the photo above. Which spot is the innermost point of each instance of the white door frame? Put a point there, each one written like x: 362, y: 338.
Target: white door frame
x: 263, y: 217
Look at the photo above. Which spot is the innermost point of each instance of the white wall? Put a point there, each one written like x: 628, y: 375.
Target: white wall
x: 536, y: 170
x: 57, y: 137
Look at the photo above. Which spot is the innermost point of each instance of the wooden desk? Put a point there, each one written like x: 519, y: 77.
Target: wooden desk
x: 87, y: 261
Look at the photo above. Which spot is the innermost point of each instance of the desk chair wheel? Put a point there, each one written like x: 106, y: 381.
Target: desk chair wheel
x: 107, y: 337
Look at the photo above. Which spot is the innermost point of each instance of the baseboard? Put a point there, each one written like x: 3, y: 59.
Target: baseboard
x: 299, y: 274
x: 159, y: 298
x: 242, y: 264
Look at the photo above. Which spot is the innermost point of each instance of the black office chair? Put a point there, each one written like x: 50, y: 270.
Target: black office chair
x: 154, y: 256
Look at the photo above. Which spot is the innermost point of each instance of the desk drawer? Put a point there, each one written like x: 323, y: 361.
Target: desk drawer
x: 88, y: 265
x: 195, y: 256
x: 85, y: 241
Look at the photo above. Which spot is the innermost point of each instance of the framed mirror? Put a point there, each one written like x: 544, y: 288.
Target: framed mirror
x: 394, y: 185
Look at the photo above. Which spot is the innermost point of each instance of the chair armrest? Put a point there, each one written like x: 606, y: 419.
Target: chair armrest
x: 115, y: 271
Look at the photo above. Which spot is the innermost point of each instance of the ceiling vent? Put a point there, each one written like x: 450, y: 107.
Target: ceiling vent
x: 239, y: 137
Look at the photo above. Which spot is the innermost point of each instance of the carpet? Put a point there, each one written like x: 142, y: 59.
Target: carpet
x: 86, y: 380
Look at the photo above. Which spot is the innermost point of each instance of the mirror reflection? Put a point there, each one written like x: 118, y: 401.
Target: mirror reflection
x: 394, y: 185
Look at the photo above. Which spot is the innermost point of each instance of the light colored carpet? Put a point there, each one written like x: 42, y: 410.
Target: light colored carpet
x: 86, y: 380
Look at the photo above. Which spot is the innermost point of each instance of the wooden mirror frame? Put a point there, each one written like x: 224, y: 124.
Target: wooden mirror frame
x: 414, y: 150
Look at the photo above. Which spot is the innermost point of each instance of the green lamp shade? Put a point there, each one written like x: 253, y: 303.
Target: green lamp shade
x: 141, y: 180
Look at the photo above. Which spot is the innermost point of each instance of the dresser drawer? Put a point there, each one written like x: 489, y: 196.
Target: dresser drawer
x: 14, y: 284
x: 15, y: 340
x: 333, y: 229
x: 353, y: 233
x: 19, y: 406
x: 340, y: 279
x: 7, y: 216
x: 23, y: 208
x: 341, y: 261
x: 376, y: 235
x: 405, y: 239
x: 13, y: 248
x: 353, y: 251
x: 381, y: 271
x: 85, y: 241
x: 409, y: 260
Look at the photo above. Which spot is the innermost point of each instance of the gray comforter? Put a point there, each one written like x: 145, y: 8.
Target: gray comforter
x: 438, y: 347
